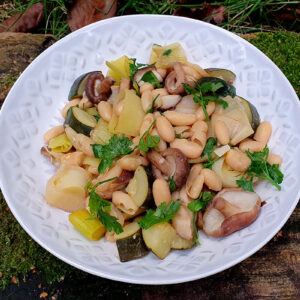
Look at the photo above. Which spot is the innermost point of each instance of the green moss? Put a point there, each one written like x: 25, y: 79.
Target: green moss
x: 9, y: 80
x: 20, y: 254
x: 282, y: 47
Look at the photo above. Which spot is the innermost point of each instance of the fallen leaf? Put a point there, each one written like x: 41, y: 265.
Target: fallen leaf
x: 43, y: 295
x: 208, y: 13
x: 84, y: 12
x: 25, y: 22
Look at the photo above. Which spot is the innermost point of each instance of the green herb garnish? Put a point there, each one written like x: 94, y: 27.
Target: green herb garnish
x: 199, y: 94
x: 208, y: 150
x: 115, y: 147
x: 197, y: 205
x: 177, y: 135
x: 162, y: 214
x: 100, y: 208
x: 151, y: 78
x: 167, y: 52
x: 151, y: 109
x: 97, y: 117
x: 209, y: 147
x: 148, y: 141
x: 172, y: 184
x: 260, y: 168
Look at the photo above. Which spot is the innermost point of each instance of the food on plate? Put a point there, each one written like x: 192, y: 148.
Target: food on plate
x: 151, y: 153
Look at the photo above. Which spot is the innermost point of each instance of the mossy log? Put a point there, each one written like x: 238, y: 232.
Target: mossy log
x: 17, y: 51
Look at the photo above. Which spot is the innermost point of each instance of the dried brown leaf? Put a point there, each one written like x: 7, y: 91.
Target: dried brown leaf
x: 25, y: 22
x: 84, y: 12
x: 208, y: 13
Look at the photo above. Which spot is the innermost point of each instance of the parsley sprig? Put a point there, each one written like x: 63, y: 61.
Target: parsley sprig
x: 151, y: 109
x: 150, y: 77
x: 100, y: 208
x: 172, y: 184
x: 197, y: 205
x: 115, y: 147
x: 260, y: 168
x: 163, y: 213
x: 200, y: 94
x: 208, y: 150
x: 148, y: 141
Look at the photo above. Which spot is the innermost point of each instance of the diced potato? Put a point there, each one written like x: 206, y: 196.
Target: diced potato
x: 100, y: 134
x: 65, y: 189
x: 132, y: 115
x: 159, y: 239
x: 163, y: 56
x: 119, y: 68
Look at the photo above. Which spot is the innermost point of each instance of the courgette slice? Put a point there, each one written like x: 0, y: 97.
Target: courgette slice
x: 130, y: 243
x: 224, y: 74
x: 179, y: 243
x: 78, y: 86
x: 159, y: 239
x: 138, y: 188
x: 93, y: 111
x: 251, y: 112
x: 80, y: 121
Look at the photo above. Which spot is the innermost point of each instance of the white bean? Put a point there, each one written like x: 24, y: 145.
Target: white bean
x: 161, y: 192
x: 180, y: 119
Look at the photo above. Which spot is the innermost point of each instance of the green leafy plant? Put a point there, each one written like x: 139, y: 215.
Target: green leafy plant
x: 197, y: 205
x: 100, y: 208
x: 260, y: 168
x: 163, y: 213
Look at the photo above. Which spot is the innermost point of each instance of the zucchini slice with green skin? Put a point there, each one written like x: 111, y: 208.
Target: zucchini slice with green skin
x: 251, y: 112
x: 179, y: 243
x: 159, y: 238
x: 226, y: 90
x: 130, y: 243
x: 78, y: 86
x: 224, y: 74
x: 80, y: 121
x: 138, y: 188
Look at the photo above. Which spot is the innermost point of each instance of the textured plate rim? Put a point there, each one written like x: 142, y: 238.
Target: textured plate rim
x: 120, y: 277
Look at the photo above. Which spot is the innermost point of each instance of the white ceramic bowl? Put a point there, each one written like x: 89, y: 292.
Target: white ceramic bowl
x: 34, y: 104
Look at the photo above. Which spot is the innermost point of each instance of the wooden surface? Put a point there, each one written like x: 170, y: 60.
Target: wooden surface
x: 273, y: 272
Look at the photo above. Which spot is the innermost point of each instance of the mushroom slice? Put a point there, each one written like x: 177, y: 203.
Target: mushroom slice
x: 183, y: 223
x: 169, y: 101
x: 170, y: 163
x: 187, y: 105
x: 231, y: 210
x: 98, y: 87
x: 140, y: 73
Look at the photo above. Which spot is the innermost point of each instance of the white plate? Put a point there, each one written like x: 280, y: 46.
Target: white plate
x: 34, y: 104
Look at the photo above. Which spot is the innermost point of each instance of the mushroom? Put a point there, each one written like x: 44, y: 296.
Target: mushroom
x: 169, y: 101
x: 230, y: 210
x: 141, y: 72
x: 98, y: 87
x: 183, y: 223
x: 171, y: 163
x: 187, y: 105
x: 54, y: 156
x: 175, y: 79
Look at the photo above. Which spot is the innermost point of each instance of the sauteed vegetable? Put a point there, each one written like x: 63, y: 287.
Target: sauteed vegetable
x: 151, y: 153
